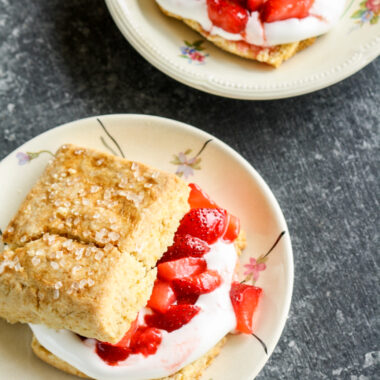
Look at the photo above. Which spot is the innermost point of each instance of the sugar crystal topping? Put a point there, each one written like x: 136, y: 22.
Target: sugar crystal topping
x: 76, y: 268
x: 94, y: 189
x: 99, y: 255
x: 114, y: 236
x: 36, y: 260
x: 58, y: 285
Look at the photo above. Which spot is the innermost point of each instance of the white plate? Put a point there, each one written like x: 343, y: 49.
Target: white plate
x: 222, y: 172
x: 354, y: 43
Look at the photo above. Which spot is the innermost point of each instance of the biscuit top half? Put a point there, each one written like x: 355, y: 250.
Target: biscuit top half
x: 98, y: 198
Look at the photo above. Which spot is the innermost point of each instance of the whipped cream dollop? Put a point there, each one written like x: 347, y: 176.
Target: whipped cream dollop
x: 177, y: 349
x: 324, y: 14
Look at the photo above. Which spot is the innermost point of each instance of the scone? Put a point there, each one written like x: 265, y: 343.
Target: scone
x: 269, y: 31
x: 101, y: 309
x: 84, y: 243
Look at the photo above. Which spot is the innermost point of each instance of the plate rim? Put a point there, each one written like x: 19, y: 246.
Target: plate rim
x: 362, y: 56
x: 289, y: 257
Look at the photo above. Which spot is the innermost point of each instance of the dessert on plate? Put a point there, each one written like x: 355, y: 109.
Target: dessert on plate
x: 269, y: 31
x: 123, y: 271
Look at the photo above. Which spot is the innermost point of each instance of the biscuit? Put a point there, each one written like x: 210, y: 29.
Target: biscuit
x: 94, y: 197
x: 192, y: 371
x: 122, y: 214
x: 273, y: 55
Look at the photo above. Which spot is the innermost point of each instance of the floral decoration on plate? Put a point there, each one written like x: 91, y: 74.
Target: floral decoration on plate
x: 255, y: 266
x: 25, y: 157
x: 187, y: 165
x: 193, y: 52
x: 368, y: 13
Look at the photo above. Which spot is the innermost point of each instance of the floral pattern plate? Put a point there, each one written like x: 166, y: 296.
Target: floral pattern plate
x: 182, y: 54
x: 197, y: 157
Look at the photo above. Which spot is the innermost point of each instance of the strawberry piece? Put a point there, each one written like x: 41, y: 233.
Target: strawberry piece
x: 180, y: 268
x: 185, y: 246
x: 233, y: 229
x: 162, y: 296
x: 208, y: 224
x: 254, y: 5
x: 227, y: 15
x: 187, y: 299
x: 112, y: 354
x: 146, y: 341
x: 174, y: 318
x: 202, y: 283
x: 244, y: 300
x: 125, y: 341
x: 242, y: 3
x: 277, y: 10
x: 199, y: 199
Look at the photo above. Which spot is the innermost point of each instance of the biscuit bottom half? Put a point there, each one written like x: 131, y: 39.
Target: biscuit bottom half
x: 273, y: 55
x: 192, y: 371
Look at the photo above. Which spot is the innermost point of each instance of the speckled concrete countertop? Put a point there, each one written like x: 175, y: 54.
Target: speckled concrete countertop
x: 64, y: 60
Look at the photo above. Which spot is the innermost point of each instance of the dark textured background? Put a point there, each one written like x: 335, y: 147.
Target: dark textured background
x: 64, y: 60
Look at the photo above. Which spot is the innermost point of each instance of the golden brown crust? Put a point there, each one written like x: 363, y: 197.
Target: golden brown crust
x: 109, y: 220
x: 192, y: 371
x: 98, y: 198
x: 273, y: 56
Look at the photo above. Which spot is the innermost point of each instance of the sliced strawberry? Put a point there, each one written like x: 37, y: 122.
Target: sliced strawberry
x: 112, y: 354
x: 185, y: 267
x: 208, y: 224
x: 244, y: 300
x: 162, y: 296
x: 146, y: 341
x: 242, y: 3
x: 227, y: 15
x: 174, y: 318
x: 124, y: 342
x: 187, y: 299
x: 199, y: 199
x: 198, y: 284
x: 233, y: 229
x: 185, y: 246
x: 254, y: 5
x: 277, y: 10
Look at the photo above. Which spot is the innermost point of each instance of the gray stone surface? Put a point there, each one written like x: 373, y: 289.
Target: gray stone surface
x: 64, y: 60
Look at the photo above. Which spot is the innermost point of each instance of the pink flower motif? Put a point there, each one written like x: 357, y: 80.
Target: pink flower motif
x: 193, y: 52
x: 185, y: 167
x: 195, y: 56
x: 23, y: 158
x: 373, y: 5
x: 253, y: 268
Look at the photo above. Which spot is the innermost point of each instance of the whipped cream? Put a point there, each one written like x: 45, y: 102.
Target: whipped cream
x: 177, y: 349
x: 324, y: 14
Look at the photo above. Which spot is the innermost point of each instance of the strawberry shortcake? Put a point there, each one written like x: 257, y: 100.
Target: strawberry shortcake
x: 123, y: 271
x: 269, y: 31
